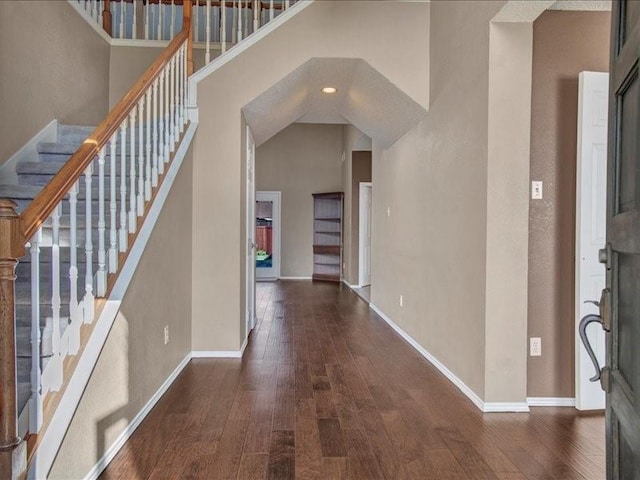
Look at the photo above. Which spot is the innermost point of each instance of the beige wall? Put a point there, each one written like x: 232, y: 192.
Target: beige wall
x: 353, y: 140
x: 54, y: 65
x: 564, y: 44
x: 300, y: 160
x: 127, y: 64
x: 134, y: 361
x: 219, y: 187
x: 431, y: 249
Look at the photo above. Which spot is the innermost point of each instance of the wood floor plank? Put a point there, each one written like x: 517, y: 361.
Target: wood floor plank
x: 327, y: 390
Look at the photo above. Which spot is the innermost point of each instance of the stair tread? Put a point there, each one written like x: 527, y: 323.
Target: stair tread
x: 58, y: 148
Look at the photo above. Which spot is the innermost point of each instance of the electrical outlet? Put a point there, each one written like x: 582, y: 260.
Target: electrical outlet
x: 166, y: 334
x: 401, y: 301
x: 535, y: 346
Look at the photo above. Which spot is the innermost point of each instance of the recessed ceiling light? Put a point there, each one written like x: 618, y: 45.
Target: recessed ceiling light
x: 329, y: 89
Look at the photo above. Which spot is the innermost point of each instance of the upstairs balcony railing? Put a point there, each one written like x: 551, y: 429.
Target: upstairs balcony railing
x: 216, y: 23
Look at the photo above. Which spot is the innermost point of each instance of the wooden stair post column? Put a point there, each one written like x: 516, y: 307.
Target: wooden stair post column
x: 13, y: 452
x: 106, y: 17
x: 186, y: 20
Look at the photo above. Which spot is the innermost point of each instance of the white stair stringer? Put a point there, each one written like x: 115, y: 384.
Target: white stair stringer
x: 52, y: 438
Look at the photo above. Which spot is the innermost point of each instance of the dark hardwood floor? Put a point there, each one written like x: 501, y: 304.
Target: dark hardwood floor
x: 327, y: 390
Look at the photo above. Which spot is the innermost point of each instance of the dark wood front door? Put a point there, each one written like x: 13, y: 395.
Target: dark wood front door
x: 620, y: 308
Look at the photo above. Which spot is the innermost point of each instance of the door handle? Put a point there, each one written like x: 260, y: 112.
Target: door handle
x: 584, y: 323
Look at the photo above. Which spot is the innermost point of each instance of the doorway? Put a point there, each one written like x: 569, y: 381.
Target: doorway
x: 591, y: 209
x: 364, y: 251
x: 267, y: 235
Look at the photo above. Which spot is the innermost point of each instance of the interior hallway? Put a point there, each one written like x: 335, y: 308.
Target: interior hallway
x: 328, y: 390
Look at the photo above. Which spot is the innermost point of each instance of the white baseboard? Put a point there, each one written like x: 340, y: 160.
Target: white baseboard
x: 518, y: 407
x: 135, y: 423
x: 28, y: 153
x: 477, y: 401
x: 53, y: 436
x: 295, y: 278
x: 217, y: 353
x: 551, y: 401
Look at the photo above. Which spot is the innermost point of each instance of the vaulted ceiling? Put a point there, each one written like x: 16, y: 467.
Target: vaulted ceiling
x: 365, y: 98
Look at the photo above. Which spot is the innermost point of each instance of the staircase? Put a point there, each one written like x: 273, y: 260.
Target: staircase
x: 33, y: 175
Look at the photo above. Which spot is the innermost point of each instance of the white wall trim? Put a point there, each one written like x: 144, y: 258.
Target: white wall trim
x: 53, y: 436
x: 242, y: 46
x: 28, y: 152
x: 217, y: 353
x: 295, y: 278
x: 453, y: 378
x: 551, y: 401
x: 517, y: 407
x: 115, y: 447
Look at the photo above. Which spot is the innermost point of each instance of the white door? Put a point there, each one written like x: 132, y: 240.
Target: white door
x: 267, y: 228
x: 364, y: 261
x: 591, y: 209
x: 251, y: 233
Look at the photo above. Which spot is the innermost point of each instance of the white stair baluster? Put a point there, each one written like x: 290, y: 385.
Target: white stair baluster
x: 35, y: 413
x: 133, y: 217
x: 183, y: 90
x: 256, y: 15
x: 100, y: 8
x: 271, y: 12
x: 146, y: 6
x: 134, y: 26
x: 173, y: 20
x: 144, y: 171
x: 148, y: 149
x: 286, y: 4
x: 196, y: 23
x: 88, y: 248
x: 157, y: 159
x: 167, y: 118
x: 179, y: 65
x: 223, y: 27
x: 101, y: 283
x: 75, y: 309
x: 240, y: 14
x: 234, y: 23
x: 56, y: 359
x: 123, y: 188
x: 172, y: 124
x: 113, y: 206
x: 207, y: 55
x: 160, y: 116
x: 122, y: 14
x: 159, y: 33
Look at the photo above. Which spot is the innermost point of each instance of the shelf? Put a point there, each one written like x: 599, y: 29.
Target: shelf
x: 327, y: 264
x: 326, y: 232
x: 337, y: 220
x: 326, y: 278
x: 327, y: 249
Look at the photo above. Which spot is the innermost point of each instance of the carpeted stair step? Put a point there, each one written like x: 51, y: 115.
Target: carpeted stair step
x: 41, y: 173
x: 74, y: 133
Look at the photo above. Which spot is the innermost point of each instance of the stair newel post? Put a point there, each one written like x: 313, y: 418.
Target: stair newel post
x: 74, y: 308
x: 35, y: 413
x: 101, y: 283
x: 88, y: 303
x: 13, y: 458
x: 106, y: 16
x: 113, y: 206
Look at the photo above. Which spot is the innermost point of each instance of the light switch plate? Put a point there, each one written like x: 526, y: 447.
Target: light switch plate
x: 536, y: 190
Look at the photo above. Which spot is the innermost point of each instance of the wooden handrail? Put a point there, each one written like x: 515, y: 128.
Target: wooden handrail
x: 53, y: 193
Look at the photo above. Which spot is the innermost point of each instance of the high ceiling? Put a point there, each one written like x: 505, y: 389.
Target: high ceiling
x: 365, y: 98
